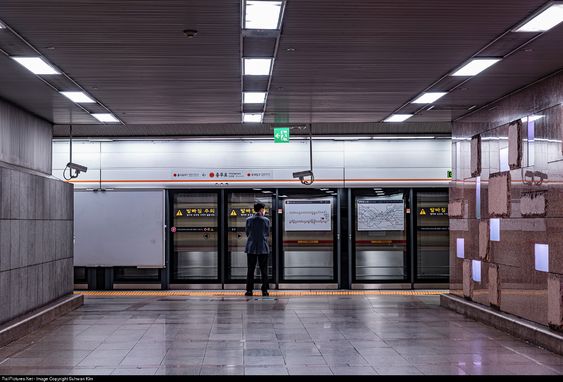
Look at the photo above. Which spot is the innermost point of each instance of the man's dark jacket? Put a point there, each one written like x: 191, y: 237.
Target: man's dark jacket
x: 257, y: 231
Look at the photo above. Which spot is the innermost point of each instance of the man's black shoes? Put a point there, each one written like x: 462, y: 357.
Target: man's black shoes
x: 248, y: 294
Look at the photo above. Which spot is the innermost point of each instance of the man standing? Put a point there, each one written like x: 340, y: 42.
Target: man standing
x: 257, y: 249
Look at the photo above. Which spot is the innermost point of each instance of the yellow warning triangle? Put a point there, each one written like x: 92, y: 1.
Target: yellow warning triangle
x: 233, y: 213
x: 422, y: 211
x: 179, y: 213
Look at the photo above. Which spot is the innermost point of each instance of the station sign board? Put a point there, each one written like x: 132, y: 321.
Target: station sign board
x: 220, y: 174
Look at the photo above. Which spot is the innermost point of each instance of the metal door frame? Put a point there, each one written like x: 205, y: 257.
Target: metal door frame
x: 404, y: 283
x: 226, y: 280
x: 317, y: 193
x: 195, y: 283
x: 416, y: 279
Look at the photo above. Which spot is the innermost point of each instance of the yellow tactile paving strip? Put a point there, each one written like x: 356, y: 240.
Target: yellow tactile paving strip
x: 226, y: 293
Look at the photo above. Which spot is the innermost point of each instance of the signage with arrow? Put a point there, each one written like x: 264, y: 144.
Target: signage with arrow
x: 281, y: 135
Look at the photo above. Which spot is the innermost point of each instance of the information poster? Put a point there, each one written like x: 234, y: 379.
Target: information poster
x: 308, y: 215
x: 381, y: 215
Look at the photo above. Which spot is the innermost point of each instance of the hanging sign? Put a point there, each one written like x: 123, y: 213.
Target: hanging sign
x: 281, y: 135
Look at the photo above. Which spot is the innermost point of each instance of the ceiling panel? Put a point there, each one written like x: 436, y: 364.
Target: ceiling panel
x: 360, y: 60
x: 22, y: 88
x: 339, y: 63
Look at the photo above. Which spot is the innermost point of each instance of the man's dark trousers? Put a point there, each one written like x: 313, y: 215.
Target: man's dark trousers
x: 263, y: 262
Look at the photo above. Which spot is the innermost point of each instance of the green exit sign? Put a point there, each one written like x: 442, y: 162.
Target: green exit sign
x: 450, y: 174
x: 281, y: 135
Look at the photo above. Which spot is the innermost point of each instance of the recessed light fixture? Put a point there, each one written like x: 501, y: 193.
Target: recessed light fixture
x: 105, y: 117
x: 398, y: 118
x: 544, y: 20
x: 78, y: 97
x: 475, y: 66
x: 429, y: 97
x: 262, y: 14
x: 36, y: 65
x: 531, y: 118
x: 257, y: 66
x: 254, y: 97
x: 252, y: 117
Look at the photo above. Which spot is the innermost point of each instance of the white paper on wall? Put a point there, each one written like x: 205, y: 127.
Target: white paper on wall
x: 308, y: 215
x: 381, y: 215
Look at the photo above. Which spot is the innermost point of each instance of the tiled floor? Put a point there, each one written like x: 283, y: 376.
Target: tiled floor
x: 344, y: 335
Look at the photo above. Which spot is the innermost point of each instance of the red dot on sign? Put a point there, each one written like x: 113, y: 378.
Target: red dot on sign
x: 248, y: 174
x: 174, y: 174
x: 211, y: 174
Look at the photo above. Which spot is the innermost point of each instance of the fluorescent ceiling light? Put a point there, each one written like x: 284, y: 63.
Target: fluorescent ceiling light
x: 254, y: 97
x: 262, y: 14
x: 257, y: 66
x: 36, y: 65
x: 531, y: 118
x: 543, y: 21
x: 78, y: 97
x: 252, y: 117
x: 475, y: 66
x: 105, y: 117
x: 429, y: 97
x: 405, y: 137
x: 2, y: 26
x: 398, y: 118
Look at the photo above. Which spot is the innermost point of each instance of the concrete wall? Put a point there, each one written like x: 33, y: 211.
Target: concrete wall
x: 36, y: 217
x: 518, y: 185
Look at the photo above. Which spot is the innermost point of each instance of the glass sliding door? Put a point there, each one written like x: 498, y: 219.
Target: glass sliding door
x: 380, y: 236
x: 432, y: 233
x: 240, y: 206
x: 308, y: 237
x: 195, y: 237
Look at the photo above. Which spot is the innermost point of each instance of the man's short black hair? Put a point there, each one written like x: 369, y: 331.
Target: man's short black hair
x: 258, y: 206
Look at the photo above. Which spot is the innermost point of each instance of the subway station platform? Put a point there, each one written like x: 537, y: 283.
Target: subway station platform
x: 287, y: 333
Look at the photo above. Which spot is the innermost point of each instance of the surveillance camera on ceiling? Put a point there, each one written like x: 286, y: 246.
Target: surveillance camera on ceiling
x: 304, y: 174
x: 77, y: 167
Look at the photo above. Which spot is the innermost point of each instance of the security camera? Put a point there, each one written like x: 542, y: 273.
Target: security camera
x: 77, y: 167
x: 302, y: 174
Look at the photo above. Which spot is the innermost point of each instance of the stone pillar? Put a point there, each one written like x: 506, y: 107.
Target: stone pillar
x: 555, y: 301
x: 36, y: 217
x: 467, y: 281
x: 494, y: 286
x: 484, y: 240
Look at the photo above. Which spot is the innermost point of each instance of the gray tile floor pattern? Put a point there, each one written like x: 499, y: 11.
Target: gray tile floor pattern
x: 341, y: 335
